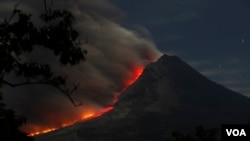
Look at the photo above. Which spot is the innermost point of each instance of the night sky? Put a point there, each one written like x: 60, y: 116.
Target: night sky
x: 213, y: 36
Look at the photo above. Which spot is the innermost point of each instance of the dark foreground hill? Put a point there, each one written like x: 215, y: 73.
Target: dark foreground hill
x: 168, y: 96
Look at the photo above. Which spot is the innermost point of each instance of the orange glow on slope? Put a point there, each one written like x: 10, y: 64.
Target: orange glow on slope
x: 86, y: 116
x: 103, y: 111
x: 136, y: 73
x: 91, y: 114
x: 42, y: 132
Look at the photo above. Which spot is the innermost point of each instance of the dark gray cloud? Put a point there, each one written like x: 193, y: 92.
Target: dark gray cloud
x: 114, y: 53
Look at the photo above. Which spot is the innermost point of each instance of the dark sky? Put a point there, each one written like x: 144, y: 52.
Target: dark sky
x: 211, y: 35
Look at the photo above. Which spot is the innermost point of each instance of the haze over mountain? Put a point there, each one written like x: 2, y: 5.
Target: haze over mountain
x: 168, y: 96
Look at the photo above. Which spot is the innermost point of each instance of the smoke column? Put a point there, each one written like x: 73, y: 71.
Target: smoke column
x: 114, y: 55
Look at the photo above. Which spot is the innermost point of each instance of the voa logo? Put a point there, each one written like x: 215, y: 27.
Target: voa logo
x: 236, y: 132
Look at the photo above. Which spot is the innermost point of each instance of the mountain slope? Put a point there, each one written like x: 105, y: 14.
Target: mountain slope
x: 184, y: 97
x: 169, y: 95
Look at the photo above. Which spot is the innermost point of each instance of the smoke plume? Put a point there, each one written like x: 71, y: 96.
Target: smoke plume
x: 114, y: 54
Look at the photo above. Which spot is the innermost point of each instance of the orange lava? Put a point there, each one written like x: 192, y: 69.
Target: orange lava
x: 42, y: 132
x: 136, y: 73
x: 85, y: 117
x: 92, y: 114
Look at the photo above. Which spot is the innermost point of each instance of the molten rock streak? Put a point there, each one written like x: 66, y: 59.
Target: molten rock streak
x: 116, y: 57
x: 90, y: 115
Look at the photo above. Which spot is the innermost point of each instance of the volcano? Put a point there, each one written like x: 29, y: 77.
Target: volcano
x: 169, y: 95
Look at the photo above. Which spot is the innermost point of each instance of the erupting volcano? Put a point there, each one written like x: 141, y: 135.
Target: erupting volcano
x: 89, y: 114
x: 169, y: 95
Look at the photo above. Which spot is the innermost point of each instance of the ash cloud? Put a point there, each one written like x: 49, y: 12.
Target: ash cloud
x: 114, y: 52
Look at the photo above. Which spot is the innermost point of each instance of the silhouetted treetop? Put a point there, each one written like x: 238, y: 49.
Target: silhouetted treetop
x: 19, y: 35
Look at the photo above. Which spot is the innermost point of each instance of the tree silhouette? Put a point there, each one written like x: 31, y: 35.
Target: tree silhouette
x: 20, y: 36
x: 9, y: 125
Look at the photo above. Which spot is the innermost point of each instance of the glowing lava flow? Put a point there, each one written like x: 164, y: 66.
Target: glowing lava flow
x: 137, y: 72
x: 86, y: 116
x: 90, y: 115
x: 42, y: 132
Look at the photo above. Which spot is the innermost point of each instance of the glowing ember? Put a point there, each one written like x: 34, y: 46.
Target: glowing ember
x: 92, y: 114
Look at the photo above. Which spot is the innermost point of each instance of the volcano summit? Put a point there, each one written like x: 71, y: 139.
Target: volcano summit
x: 168, y: 96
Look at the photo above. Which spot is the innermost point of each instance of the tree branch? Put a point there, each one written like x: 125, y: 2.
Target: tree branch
x: 13, y: 13
x: 45, y: 6
x: 65, y: 92
x: 21, y: 84
x: 68, y: 95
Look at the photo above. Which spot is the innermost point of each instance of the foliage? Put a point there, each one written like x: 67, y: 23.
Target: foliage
x: 9, y: 125
x: 20, y: 36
